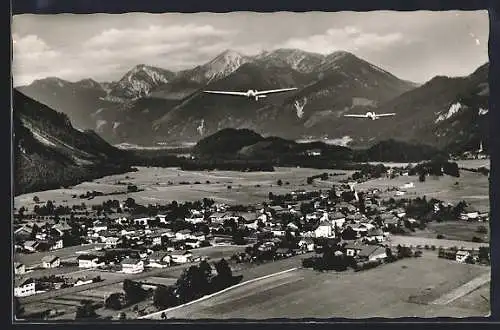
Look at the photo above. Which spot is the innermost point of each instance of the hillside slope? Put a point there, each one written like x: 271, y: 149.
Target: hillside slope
x: 50, y: 152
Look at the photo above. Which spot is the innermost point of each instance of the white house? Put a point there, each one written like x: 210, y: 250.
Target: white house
x: 19, y: 268
x: 306, y: 244
x: 373, y: 252
x: 99, y: 226
x: 112, y: 242
x: 199, y: 236
x: 31, y: 245
x: 89, y: 261
x: 142, y: 221
x: 183, y: 234
x: 132, y: 266
x: 278, y: 232
x: 337, y: 219
x: 408, y: 185
x: 192, y: 243
x: 159, y: 259
x: 181, y: 257
x: 56, y: 244
x: 51, y: 262
x: 469, y: 214
x: 324, y: 230
x: 462, y: 255
x: 24, y: 287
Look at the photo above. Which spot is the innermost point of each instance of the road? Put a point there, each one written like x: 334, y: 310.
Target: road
x: 214, y: 253
x: 464, y: 289
x: 422, y: 241
x: 35, y: 259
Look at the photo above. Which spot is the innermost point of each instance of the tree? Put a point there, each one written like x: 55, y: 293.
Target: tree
x: 484, y: 254
x: 122, y: 316
x: 188, y: 284
x: 348, y: 233
x: 86, y: 311
x: 36, y: 199
x: 164, y: 297
x: 280, y: 182
x: 114, y: 301
x: 224, y: 272
x: 421, y: 177
x: 133, y: 291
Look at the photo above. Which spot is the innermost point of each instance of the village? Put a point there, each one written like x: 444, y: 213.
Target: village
x: 59, y: 247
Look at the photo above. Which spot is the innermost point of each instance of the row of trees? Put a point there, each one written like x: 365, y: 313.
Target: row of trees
x: 195, y: 282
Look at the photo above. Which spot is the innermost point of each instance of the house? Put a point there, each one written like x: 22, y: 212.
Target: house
x: 181, y: 257
x: 372, y: 253
x: 307, y: 244
x: 24, y: 287
x: 56, y: 244
x: 19, y: 268
x: 375, y: 235
x: 61, y: 229
x: 391, y: 222
x: 283, y: 253
x: 156, y: 238
x: 469, y: 214
x: 277, y: 232
x: 462, y: 255
x: 132, y: 266
x: 324, y: 229
x: 408, y: 185
x: 99, y: 226
x: 159, y: 259
x: 352, y: 249
x: 219, y: 217
x: 337, y: 219
x: 198, y: 236
x: 192, y: 243
x: 23, y: 233
x: 31, y: 246
x: 112, y: 242
x: 51, y: 262
x: 183, y: 234
x: 89, y: 261
x: 142, y: 221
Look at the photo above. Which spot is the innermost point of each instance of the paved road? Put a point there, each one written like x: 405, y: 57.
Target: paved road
x: 214, y: 252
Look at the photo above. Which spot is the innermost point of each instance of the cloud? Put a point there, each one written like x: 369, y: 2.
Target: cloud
x: 349, y: 38
x: 114, y: 51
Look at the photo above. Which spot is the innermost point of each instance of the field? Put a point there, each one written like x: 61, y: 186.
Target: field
x: 246, y: 187
x: 410, y: 289
x: 472, y: 188
x: 454, y: 230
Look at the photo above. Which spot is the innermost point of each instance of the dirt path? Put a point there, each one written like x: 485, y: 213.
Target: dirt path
x: 463, y: 290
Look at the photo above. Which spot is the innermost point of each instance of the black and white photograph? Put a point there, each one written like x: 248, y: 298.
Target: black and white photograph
x: 250, y: 166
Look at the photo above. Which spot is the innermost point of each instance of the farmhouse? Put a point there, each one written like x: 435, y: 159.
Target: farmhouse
x: 372, y: 253
x: 51, y: 262
x: 324, y: 229
x: 183, y: 234
x: 89, y: 261
x: 181, y: 257
x: 132, y: 266
x: 307, y: 244
x: 24, y: 287
x: 469, y: 214
x: 31, y: 246
x: 462, y: 255
x: 56, y: 244
x: 352, y: 249
x: 159, y: 259
x: 112, y: 242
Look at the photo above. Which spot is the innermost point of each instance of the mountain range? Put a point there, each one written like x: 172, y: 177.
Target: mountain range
x: 151, y: 105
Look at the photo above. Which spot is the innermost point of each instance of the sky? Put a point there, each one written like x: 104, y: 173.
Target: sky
x: 415, y: 46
